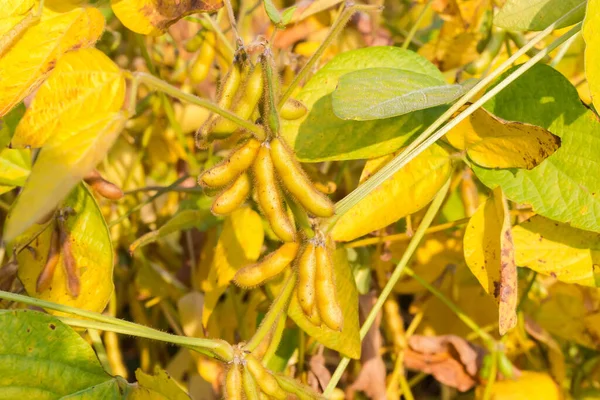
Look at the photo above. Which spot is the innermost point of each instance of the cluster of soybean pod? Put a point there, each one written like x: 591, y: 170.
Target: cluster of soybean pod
x: 269, y: 167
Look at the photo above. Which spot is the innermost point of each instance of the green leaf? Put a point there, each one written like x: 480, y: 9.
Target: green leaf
x: 591, y: 35
x: 42, y: 358
x: 321, y: 135
x: 562, y: 187
x: 114, y: 389
x: 553, y: 248
x: 287, y: 15
x: 183, y: 220
x: 15, y: 165
x: 91, y: 249
x: 377, y: 93
x: 536, y: 15
x: 346, y: 342
x: 8, y: 124
x: 272, y: 12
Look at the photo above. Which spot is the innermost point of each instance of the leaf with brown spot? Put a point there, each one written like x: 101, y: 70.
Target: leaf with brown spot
x: 489, y: 253
x: 450, y: 359
x: 153, y: 17
x: 492, y: 142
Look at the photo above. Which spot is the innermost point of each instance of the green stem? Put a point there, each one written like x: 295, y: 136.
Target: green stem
x: 526, y: 291
x: 335, y: 29
x: 493, y: 372
x: 229, y: 50
x: 519, y: 40
x: 100, y: 350
x: 415, y: 27
x: 216, y: 348
x: 432, y: 133
x: 278, y: 306
x: 400, y: 267
x: 487, y: 339
x: 149, y: 200
x: 562, y: 51
x: 171, y: 90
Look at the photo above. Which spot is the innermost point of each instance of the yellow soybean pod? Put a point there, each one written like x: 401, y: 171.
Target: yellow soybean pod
x: 269, y: 197
x: 232, y: 197
x: 329, y: 308
x: 233, y: 383
x: 270, y: 266
x: 226, y: 171
x: 250, y: 388
x: 292, y: 109
x: 230, y: 86
x: 253, y: 90
x: 265, y: 380
x: 297, y: 183
x: 204, y: 59
x: 307, y: 270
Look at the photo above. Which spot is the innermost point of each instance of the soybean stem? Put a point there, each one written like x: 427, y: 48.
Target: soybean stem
x: 432, y: 133
x: 335, y: 29
x: 279, y: 305
x: 400, y: 267
x: 415, y: 27
x: 171, y: 90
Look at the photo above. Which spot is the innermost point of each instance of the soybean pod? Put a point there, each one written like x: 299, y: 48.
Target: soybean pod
x: 265, y: 380
x: 250, y: 388
x: 292, y: 109
x: 232, y: 197
x: 269, y: 197
x: 233, y: 383
x: 297, y: 183
x: 45, y: 277
x: 329, y: 309
x: 307, y: 269
x: 270, y: 266
x: 225, y: 172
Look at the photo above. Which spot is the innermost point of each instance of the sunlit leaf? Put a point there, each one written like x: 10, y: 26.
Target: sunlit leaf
x: 561, y: 187
x: 153, y: 17
x: 346, y: 342
x: 591, y: 35
x: 239, y: 245
x: 556, y: 249
x: 60, y: 166
x: 489, y: 253
x: 42, y: 358
x: 82, y: 81
x: 156, y: 387
x: 321, y: 135
x: 183, y: 220
x: 15, y: 165
x: 13, y: 12
x: 25, y: 66
x: 406, y: 192
x: 494, y: 143
x: 522, y: 388
x: 378, y: 93
x: 91, y: 249
x: 536, y: 15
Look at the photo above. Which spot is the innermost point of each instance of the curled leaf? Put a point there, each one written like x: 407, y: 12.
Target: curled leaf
x: 492, y: 142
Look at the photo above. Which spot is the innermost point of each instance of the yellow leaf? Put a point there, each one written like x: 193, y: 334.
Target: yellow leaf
x: 61, y: 164
x: 25, y: 66
x: 83, y: 82
x: 591, y: 35
x: 406, y: 192
x: 159, y: 386
x: 492, y: 142
x: 489, y: 253
x: 557, y: 249
x: 91, y: 249
x: 239, y: 244
x: 530, y: 383
x: 11, y: 13
x: 153, y: 17
x: 567, y: 312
